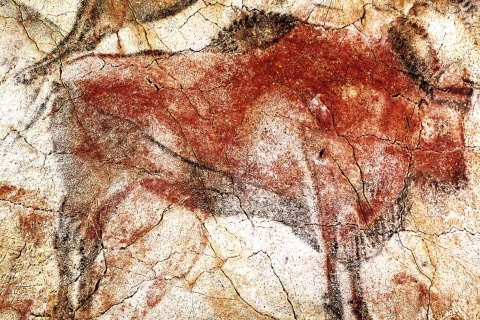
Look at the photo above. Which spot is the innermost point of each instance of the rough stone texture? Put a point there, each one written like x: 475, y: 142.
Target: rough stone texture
x: 239, y: 160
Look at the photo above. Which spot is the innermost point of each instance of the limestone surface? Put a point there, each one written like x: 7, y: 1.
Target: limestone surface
x: 224, y: 159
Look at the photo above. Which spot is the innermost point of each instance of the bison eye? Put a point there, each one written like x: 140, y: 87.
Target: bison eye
x: 321, y: 153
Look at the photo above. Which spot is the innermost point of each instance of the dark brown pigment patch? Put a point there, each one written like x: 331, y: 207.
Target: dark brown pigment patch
x: 256, y: 29
x: 408, y: 39
x: 361, y: 122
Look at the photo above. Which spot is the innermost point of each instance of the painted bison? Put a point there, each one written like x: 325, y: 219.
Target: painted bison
x: 322, y: 130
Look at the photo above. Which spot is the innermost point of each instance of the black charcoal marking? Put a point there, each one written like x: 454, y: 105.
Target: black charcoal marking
x: 256, y: 29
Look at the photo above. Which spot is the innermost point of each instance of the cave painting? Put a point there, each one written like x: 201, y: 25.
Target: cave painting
x: 323, y: 130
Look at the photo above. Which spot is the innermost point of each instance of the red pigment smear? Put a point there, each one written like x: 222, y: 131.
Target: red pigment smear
x: 364, y: 124
x: 347, y: 91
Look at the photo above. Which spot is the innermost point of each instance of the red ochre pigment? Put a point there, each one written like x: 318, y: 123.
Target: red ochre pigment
x: 322, y: 114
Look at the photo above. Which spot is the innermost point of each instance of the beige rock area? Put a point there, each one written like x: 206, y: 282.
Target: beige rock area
x: 227, y: 159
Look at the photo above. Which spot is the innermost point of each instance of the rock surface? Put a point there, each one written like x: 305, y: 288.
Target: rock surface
x: 239, y: 160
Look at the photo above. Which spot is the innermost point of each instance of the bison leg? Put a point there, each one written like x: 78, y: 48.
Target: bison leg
x: 334, y: 302
x: 334, y: 265
x: 343, y: 274
x: 358, y: 305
